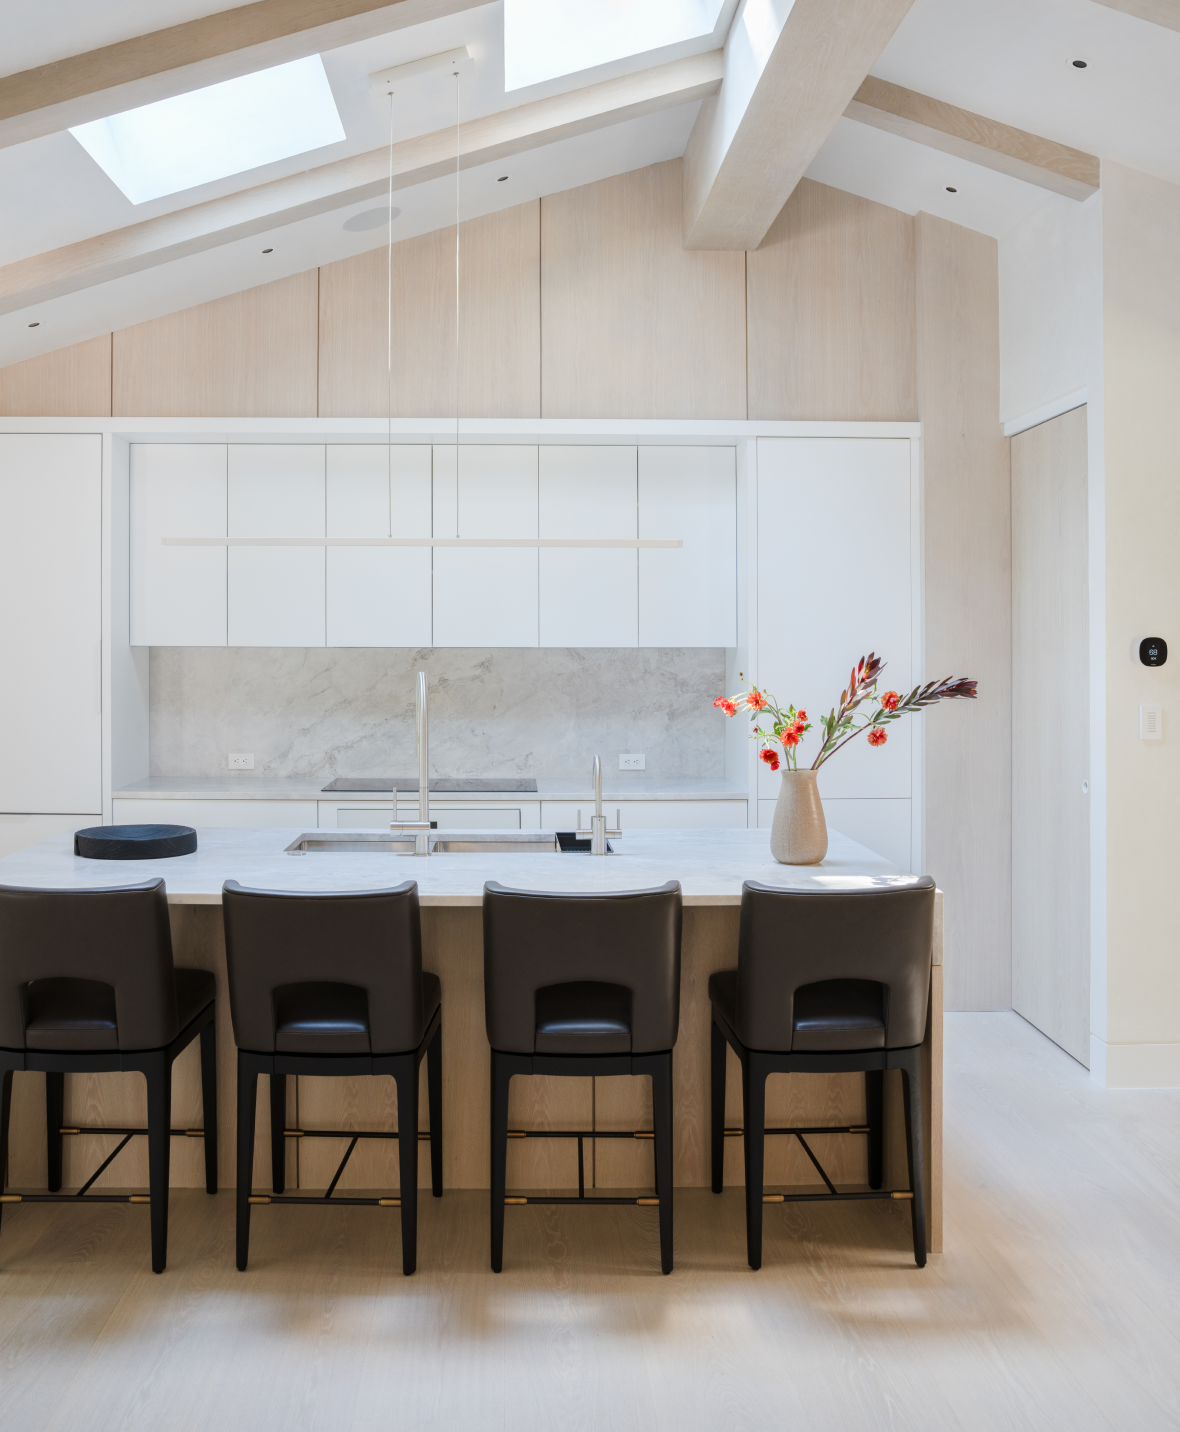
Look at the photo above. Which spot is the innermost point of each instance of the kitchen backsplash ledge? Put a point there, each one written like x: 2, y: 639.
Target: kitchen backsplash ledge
x: 507, y: 711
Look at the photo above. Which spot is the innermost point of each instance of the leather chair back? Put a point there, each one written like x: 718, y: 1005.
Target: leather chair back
x: 790, y: 939
x: 83, y: 940
x: 369, y: 940
x: 540, y: 940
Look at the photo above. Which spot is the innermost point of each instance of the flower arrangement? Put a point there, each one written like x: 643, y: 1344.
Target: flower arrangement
x: 841, y: 725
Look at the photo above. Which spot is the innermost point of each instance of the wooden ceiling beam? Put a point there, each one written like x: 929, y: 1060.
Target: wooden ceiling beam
x: 78, y: 88
x: 266, y: 207
x: 1156, y: 12
x: 972, y: 137
x: 790, y: 72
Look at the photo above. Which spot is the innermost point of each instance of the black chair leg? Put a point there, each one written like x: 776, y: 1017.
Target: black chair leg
x: 717, y: 1104
x: 55, y: 1117
x: 434, y: 1099
x: 407, y: 1150
x: 209, y: 1103
x: 247, y: 1098
x: 278, y: 1126
x: 5, y: 1120
x: 911, y: 1075
x: 661, y: 1103
x: 501, y: 1078
x: 158, y: 1073
x: 754, y: 1141
x: 875, y: 1118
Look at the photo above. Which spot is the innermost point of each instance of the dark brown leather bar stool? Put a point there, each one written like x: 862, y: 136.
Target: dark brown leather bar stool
x: 825, y: 983
x: 333, y: 985
x: 582, y: 985
x: 87, y: 985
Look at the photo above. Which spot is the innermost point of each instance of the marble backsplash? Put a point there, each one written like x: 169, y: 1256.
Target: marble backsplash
x: 350, y: 712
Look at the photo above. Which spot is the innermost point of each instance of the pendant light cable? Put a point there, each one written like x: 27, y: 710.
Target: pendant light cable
x: 389, y: 336
x: 457, y: 532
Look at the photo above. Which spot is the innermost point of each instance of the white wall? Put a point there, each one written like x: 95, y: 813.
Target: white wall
x: 1136, y: 1013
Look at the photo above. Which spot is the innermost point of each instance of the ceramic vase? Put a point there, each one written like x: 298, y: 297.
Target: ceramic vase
x: 799, y: 834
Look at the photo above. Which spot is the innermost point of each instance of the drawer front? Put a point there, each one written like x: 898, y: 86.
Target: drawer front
x: 647, y: 815
x: 211, y: 814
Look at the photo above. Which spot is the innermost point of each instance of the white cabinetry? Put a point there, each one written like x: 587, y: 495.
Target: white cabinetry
x: 215, y: 814
x: 51, y: 623
x: 178, y: 594
x: 688, y: 595
x: 276, y: 594
x: 589, y: 595
x: 647, y: 815
x: 378, y: 596
x: 485, y: 596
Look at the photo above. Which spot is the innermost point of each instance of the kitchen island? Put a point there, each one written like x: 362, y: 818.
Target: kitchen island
x: 710, y: 866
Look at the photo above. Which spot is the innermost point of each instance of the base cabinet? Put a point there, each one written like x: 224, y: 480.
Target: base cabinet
x: 212, y: 814
x: 646, y: 815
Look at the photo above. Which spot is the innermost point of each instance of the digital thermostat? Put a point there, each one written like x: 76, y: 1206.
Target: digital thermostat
x: 1153, y: 651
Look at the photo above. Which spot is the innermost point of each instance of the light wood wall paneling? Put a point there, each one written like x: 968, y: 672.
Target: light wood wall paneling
x: 632, y: 324
x: 253, y: 354
x: 830, y: 294
x: 1050, y: 666
x: 968, y: 607
x: 72, y: 382
x: 500, y: 336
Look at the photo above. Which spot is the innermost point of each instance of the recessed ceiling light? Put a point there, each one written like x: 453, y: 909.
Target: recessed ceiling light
x: 35, y: 325
x: 950, y: 189
x: 268, y: 251
x: 547, y: 38
x: 501, y: 179
x: 369, y: 219
x: 1080, y: 64
x: 210, y: 133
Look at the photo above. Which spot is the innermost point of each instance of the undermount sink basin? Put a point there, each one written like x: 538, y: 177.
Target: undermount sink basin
x: 451, y: 842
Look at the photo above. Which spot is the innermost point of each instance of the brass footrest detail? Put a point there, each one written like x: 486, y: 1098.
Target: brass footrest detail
x: 582, y: 1202
x: 10, y: 1198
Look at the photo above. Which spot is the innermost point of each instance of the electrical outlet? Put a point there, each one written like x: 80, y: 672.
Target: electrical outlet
x: 241, y: 760
x: 633, y: 763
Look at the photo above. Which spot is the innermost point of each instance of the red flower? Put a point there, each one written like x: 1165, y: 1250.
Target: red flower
x: 770, y: 757
x: 726, y: 705
x: 790, y: 737
x: 802, y: 716
x: 877, y: 737
x: 756, y: 701
x: 889, y: 701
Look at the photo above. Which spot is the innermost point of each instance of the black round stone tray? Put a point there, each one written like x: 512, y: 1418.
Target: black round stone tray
x: 134, y: 842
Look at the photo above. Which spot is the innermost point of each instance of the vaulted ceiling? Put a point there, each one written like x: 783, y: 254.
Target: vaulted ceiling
x: 974, y: 110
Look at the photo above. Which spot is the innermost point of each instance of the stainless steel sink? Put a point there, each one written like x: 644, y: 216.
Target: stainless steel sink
x: 449, y: 842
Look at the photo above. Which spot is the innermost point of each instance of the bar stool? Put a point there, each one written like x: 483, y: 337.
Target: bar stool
x: 581, y: 985
x: 825, y: 983
x: 87, y: 985
x: 332, y: 985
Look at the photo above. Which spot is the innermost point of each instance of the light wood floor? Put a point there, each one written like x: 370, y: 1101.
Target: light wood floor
x: 1055, y: 1305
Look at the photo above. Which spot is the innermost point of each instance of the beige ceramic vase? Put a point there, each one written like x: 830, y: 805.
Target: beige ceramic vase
x: 799, y: 834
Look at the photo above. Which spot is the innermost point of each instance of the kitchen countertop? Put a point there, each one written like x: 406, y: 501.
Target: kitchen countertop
x: 616, y: 786
x: 710, y: 865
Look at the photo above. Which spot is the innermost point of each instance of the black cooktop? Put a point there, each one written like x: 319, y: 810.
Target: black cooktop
x: 454, y: 785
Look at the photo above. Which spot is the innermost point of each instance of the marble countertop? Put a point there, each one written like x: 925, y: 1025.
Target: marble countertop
x: 616, y: 786
x: 710, y: 865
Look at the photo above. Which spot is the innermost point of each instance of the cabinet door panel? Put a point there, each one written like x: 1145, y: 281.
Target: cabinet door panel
x: 218, y: 814
x: 51, y: 623
x: 485, y: 596
x: 178, y: 594
x: 378, y: 596
x: 688, y: 595
x: 834, y: 575
x: 589, y: 596
x: 276, y: 594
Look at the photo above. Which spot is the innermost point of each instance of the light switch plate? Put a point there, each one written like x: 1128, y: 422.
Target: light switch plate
x: 241, y: 760
x: 1151, y: 722
x: 633, y: 763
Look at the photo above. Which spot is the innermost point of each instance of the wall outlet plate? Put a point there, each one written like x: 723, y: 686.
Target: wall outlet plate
x: 241, y: 760
x: 633, y: 763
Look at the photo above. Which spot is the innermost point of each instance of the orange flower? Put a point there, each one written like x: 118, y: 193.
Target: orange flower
x: 726, y: 705
x: 889, y: 701
x: 802, y: 716
x: 756, y: 701
x: 770, y: 757
x: 791, y: 736
x: 877, y: 737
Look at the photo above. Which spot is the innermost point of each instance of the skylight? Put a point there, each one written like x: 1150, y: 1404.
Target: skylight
x: 544, y: 39
x: 193, y: 138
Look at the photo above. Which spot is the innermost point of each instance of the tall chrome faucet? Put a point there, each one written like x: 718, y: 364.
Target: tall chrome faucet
x: 598, y: 830
x: 421, y: 826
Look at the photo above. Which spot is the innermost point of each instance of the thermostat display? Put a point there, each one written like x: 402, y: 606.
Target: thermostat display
x: 1153, y: 651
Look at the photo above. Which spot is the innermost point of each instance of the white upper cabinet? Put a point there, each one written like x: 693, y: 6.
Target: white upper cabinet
x: 276, y: 594
x: 378, y: 596
x: 51, y: 623
x: 589, y: 595
x: 688, y: 595
x: 485, y: 596
x: 178, y: 594
x: 834, y: 583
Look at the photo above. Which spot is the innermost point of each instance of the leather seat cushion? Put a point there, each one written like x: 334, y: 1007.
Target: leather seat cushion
x: 583, y: 1017
x: 837, y: 1015
x: 72, y: 1016
x: 321, y: 1017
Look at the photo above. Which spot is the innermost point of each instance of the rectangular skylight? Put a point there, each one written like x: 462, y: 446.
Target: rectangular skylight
x: 544, y: 39
x: 226, y: 128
